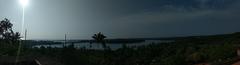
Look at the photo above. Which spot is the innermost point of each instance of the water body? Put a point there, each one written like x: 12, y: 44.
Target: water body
x: 98, y: 46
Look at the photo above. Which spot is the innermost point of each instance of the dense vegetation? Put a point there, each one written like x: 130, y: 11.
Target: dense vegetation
x: 9, y: 40
x: 215, y: 50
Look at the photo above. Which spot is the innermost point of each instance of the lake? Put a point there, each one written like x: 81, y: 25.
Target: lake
x: 98, y: 46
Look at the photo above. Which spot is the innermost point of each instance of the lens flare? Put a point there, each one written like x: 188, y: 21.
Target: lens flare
x: 24, y: 2
x: 23, y: 21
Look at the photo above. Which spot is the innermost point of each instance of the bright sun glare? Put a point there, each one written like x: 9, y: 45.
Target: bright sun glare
x: 24, y: 2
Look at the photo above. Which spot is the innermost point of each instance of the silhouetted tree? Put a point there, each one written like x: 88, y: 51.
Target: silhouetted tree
x: 99, y: 38
x: 6, y: 33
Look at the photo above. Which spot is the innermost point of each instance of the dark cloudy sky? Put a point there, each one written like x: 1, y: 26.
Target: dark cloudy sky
x: 80, y: 19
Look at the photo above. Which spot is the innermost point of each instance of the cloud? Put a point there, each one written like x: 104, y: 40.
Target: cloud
x: 175, y: 21
x: 172, y: 13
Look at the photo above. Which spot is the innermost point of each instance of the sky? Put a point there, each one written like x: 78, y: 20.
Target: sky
x: 80, y: 19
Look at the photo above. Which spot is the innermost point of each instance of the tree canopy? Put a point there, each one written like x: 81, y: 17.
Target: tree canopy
x: 7, y: 35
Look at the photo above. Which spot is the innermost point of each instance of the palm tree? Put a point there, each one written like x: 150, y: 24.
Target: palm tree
x: 99, y: 38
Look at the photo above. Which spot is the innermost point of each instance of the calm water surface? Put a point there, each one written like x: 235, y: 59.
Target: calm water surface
x: 98, y: 46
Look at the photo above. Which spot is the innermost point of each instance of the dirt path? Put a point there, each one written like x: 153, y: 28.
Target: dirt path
x: 237, y: 63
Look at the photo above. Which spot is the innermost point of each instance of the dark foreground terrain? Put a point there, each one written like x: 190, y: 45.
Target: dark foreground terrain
x: 193, y: 50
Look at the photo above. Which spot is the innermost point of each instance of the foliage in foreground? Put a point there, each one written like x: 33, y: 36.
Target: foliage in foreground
x: 184, y: 51
x: 180, y: 52
x: 8, y: 38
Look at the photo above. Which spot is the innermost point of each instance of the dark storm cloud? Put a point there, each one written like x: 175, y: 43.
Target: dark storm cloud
x: 206, y: 17
x: 161, y: 18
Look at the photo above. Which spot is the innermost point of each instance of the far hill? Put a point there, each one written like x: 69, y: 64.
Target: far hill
x: 202, y: 38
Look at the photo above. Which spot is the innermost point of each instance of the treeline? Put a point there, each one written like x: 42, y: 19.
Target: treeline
x: 30, y: 43
x: 215, y: 50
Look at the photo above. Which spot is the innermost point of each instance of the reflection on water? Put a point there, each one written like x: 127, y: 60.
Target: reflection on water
x: 98, y: 46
